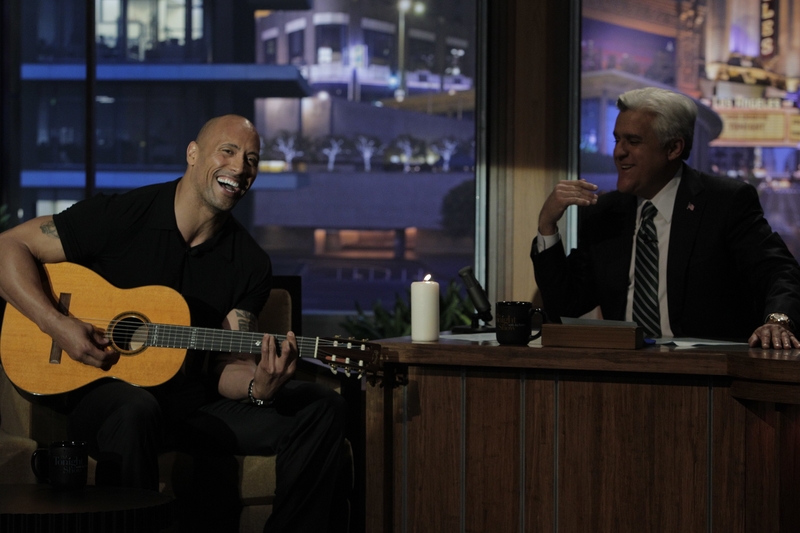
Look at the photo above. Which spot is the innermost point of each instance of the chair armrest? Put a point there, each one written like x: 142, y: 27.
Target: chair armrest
x: 16, y: 412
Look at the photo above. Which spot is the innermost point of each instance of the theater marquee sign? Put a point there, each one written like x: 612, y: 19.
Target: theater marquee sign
x: 757, y: 122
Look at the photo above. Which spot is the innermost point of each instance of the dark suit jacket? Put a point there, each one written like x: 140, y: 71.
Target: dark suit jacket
x: 726, y: 268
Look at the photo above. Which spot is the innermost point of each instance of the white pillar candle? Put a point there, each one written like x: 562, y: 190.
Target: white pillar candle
x: 425, y: 310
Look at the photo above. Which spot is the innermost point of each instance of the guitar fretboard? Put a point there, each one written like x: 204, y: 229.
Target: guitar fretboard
x: 218, y: 340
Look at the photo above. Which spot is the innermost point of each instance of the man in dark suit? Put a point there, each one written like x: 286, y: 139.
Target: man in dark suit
x: 682, y: 253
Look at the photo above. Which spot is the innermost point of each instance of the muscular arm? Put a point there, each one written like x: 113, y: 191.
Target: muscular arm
x: 22, y: 250
x: 269, y: 373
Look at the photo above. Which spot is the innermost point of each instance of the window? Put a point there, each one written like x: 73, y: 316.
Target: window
x: 724, y: 58
x: 358, y: 192
x: 379, y: 192
x: 297, y: 47
x: 53, y: 31
x: 56, y: 138
x: 331, y: 43
x: 380, y: 48
x: 270, y: 48
x: 421, y: 54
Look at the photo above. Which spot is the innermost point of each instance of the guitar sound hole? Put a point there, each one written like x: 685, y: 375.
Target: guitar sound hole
x: 128, y: 333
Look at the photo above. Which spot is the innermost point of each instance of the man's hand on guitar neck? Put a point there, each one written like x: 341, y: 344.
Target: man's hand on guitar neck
x: 83, y: 343
x: 274, y: 369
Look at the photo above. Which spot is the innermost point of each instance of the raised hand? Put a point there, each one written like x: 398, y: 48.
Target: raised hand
x: 565, y: 194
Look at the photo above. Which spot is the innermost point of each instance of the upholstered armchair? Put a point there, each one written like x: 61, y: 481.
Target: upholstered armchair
x: 24, y: 426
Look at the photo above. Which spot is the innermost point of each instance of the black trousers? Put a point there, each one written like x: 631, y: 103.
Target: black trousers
x: 304, y: 427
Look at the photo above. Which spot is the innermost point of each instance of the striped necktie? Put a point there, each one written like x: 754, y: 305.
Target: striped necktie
x: 646, y: 311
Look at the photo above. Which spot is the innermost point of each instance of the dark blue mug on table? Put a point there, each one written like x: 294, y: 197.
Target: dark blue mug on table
x: 63, y: 465
x: 514, y: 322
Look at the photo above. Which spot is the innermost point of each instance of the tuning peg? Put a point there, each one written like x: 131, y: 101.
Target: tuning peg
x: 333, y: 369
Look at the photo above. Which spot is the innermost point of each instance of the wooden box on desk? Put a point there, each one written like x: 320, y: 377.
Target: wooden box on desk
x: 592, y: 336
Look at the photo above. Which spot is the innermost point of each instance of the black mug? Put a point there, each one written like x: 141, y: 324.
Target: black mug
x: 514, y: 321
x: 64, y: 465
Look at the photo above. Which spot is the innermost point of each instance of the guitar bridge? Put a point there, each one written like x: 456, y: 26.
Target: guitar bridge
x: 64, y: 299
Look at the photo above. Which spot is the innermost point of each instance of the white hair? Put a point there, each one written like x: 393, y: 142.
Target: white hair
x: 675, y: 114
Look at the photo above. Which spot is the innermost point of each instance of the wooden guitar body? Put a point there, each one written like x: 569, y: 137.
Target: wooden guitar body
x: 32, y: 362
x: 149, y: 326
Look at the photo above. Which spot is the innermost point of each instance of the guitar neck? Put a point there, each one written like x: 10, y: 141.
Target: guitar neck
x: 219, y: 340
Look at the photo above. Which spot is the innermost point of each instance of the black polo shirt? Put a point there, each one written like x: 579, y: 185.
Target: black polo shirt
x: 133, y: 240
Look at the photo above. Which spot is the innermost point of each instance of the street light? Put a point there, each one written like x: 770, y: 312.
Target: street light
x: 403, y: 7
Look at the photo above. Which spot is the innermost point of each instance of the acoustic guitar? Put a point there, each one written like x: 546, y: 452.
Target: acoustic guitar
x: 149, y: 326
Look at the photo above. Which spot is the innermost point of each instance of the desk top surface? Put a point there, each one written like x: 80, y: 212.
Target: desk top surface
x: 731, y: 361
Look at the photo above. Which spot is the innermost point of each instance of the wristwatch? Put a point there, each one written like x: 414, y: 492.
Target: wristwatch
x: 780, y: 319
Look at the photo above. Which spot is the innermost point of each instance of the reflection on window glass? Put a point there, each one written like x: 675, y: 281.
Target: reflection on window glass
x: 383, y: 188
x: 331, y: 43
x: 270, y: 48
x: 149, y: 30
x: 296, y: 47
x: 58, y: 129
x: 53, y: 31
x: 421, y: 54
x: 172, y: 21
x: 381, y: 47
x: 737, y: 60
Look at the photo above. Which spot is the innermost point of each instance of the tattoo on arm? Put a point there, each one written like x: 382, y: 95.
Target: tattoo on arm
x: 49, y: 228
x: 247, y: 320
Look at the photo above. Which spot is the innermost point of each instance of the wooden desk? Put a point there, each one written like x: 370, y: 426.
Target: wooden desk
x: 483, y: 438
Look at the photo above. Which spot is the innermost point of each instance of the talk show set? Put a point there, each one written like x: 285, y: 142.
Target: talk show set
x: 383, y: 266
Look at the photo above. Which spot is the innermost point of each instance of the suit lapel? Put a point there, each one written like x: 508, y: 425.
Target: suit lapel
x: 629, y: 207
x: 690, y: 201
x: 626, y: 210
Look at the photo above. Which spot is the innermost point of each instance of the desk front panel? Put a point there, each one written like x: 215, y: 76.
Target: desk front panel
x: 476, y: 449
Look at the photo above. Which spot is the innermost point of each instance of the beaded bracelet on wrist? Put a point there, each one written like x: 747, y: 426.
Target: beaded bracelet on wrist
x: 253, y: 399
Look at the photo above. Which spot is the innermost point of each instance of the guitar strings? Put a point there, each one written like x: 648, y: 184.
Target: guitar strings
x: 360, y: 354
x: 212, y: 335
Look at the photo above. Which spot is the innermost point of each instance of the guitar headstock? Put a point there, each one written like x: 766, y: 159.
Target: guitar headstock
x: 352, y: 356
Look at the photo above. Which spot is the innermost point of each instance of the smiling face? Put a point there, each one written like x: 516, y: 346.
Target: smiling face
x: 223, y: 161
x: 644, y: 164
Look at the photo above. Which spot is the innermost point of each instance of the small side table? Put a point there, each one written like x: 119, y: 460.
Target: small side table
x: 34, y: 508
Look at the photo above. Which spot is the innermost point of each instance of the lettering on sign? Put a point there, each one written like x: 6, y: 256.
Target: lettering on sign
x: 741, y: 102
x: 753, y: 126
x: 769, y: 28
x: 794, y: 128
